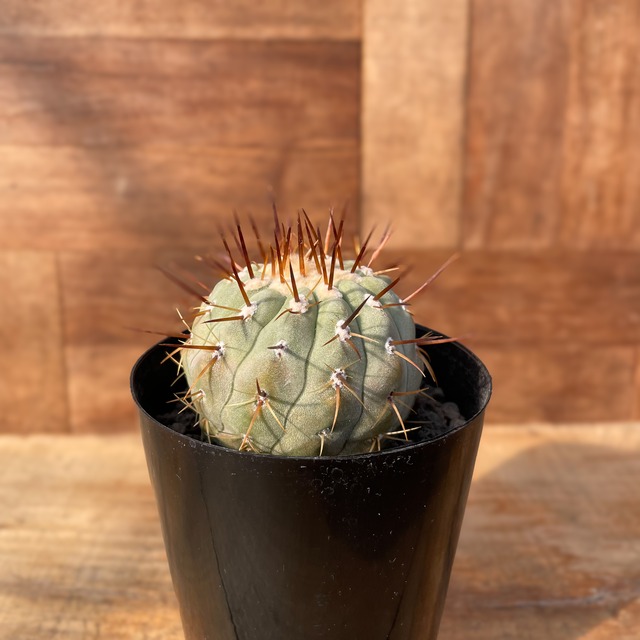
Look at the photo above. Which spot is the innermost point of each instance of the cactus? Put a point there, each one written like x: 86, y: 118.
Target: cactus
x: 304, y: 353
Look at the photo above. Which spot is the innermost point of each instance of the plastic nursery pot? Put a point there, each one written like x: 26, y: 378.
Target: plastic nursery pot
x: 289, y: 548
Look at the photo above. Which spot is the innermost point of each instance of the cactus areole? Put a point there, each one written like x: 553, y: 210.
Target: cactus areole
x: 304, y: 353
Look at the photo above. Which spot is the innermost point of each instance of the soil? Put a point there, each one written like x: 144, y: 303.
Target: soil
x: 432, y: 416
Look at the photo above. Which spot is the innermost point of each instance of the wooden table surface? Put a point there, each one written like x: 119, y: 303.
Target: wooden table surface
x: 550, y: 548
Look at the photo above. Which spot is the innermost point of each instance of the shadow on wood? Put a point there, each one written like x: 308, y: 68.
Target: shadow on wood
x: 549, y: 548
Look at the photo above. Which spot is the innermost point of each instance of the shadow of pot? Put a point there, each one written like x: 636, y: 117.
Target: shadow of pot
x: 289, y: 548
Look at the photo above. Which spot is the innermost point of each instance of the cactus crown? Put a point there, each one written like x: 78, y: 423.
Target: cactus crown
x: 303, y: 352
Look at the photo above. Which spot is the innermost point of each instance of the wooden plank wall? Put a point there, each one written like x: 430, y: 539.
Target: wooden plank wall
x: 551, y: 182
x: 509, y: 131
x: 535, y: 181
x: 128, y: 133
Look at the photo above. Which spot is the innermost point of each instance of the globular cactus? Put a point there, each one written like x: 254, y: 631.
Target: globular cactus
x: 303, y: 354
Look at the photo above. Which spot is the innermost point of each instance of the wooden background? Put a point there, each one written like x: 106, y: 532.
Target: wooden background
x: 506, y: 129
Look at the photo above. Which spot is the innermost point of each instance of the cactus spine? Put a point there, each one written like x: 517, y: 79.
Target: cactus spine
x: 304, y: 353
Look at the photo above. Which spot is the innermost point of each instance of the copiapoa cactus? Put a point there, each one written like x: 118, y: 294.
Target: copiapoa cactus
x: 304, y: 352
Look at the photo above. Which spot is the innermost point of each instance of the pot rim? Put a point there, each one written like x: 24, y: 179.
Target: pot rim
x: 485, y: 396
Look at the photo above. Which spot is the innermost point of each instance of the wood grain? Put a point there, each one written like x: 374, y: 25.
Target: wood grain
x: 110, y: 294
x: 559, y: 331
x: 333, y: 19
x: 547, y: 549
x: 555, y: 383
x: 33, y: 393
x: 600, y: 186
x: 553, y: 125
x: 147, y: 197
x: 114, y: 92
x: 99, y: 396
x: 119, y: 143
x: 82, y: 555
x: 413, y: 75
x: 636, y: 408
x: 512, y: 299
x: 109, y: 299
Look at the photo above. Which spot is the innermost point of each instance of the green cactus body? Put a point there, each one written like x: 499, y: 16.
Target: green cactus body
x: 273, y: 367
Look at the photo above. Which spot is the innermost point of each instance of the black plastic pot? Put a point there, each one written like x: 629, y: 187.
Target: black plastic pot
x: 276, y: 548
